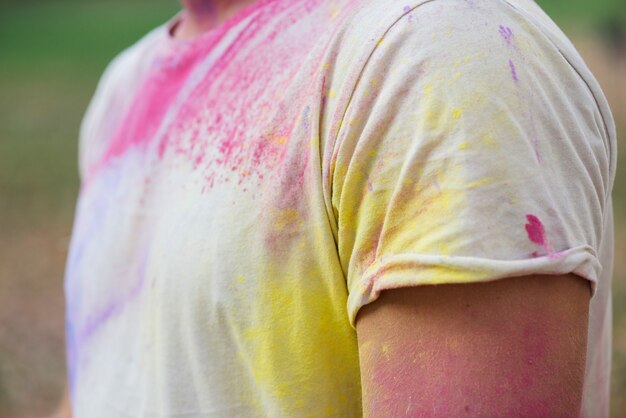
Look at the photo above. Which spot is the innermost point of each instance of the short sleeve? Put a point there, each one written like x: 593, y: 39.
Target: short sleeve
x: 471, y: 151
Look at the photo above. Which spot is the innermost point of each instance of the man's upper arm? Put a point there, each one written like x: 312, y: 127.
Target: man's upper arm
x: 510, y: 347
x: 458, y: 167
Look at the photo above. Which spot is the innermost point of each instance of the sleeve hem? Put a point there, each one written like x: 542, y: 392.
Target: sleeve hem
x: 405, y: 270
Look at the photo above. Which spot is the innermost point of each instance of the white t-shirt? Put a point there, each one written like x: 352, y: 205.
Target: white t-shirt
x: 245, y: 193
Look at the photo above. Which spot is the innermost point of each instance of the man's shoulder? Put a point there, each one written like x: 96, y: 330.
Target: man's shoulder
x: 129, y: 61
x: 416, y: 30
x: 114, y: 93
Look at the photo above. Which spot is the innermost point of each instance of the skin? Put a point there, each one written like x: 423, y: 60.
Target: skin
x: 64, y: 410
x: 514, y: 347
x: 202, y: 15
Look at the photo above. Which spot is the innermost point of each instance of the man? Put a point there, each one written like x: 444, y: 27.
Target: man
x: 342, y: 208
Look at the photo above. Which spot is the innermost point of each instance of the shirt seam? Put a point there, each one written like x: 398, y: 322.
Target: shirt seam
x: 605, y: 124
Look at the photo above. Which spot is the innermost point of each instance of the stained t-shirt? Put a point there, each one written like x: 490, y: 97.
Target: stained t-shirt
x: 246, y: 192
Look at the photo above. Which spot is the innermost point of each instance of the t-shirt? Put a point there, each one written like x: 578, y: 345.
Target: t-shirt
x: 246, y: 192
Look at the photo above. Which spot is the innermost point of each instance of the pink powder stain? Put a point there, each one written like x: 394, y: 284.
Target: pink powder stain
x: 537, y: 234
x: 236, y: 123
x: 535, y: 230
x: 146, y: 113
x: 240, y: 96
x: 159, y: 90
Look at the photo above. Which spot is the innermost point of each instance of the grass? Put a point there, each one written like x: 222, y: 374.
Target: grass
x: 78, y: 38
x: 583, y: 13
x: 51, y: 56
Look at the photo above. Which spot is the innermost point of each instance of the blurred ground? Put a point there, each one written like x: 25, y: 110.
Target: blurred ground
x: 51, y: 55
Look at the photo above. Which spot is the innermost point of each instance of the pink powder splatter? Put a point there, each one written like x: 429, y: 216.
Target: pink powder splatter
x: 236, y: 119
x: 535, y: 230
x: 537, y: 234
x: 170, y: 71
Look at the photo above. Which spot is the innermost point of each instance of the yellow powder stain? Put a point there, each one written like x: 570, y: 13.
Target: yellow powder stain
x: 434, y: 110
x: 457, y: 113
x: 300, y: 335
x: 457, y: 63
x: 489, y: 140
x: 421, y: 355
x: 280, y: 140
x: 463, y: 145
x: 478, y: 183
x: 386, y: 350
x: 331, y: 93
x: 457, y: 74
x: 444, y: 249
x: 241, y: 279
x: 428, y: 202
x: 354, y: 120
x: 380, y: 42
x: 289, y: 216
x: 340, y: 124
x: 439, y: 274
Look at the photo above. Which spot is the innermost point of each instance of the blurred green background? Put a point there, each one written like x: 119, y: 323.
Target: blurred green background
x: 51, y: 56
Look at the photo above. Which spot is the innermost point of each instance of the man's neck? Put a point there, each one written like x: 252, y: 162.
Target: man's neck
x: 203, y: 15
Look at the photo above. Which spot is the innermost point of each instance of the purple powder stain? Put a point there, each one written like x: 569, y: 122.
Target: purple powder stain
x: 115, y: 307
x: 513, y: 71
x: 407, y: 9
x: 507, y: 34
